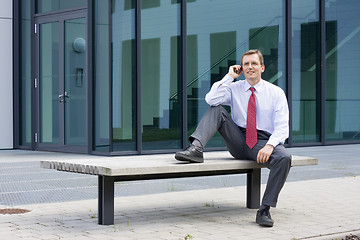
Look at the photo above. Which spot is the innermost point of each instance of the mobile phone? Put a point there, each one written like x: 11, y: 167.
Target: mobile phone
x: 238, y: 71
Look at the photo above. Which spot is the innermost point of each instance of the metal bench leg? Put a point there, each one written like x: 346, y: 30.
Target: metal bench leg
x: 253, y: 189
x: 106, y: 200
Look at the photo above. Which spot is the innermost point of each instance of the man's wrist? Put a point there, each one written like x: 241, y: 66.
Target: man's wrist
x: 269, y: 146
x: 271, y: 143
x: 229, y: 76
x: 233, y: 76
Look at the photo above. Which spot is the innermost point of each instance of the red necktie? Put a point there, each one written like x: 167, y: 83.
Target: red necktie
x: 251, y: 133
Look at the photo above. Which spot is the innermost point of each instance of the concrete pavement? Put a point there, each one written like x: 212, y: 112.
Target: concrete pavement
x: 325, y: 206
x: 307, y: 210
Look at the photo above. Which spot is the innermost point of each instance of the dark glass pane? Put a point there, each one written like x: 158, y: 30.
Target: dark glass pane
x: 217, y: 37
x: 342, y: 61
x: 305, y: 71
x: 25, y: 73
x: 123, y: 77
x: 101, y: 77
x: 75, y: 82
x: 55, y: 5
x: 151, y: 4
x: 160, y: 76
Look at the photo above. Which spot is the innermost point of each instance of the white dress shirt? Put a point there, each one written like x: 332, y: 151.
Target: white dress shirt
x: 272, y: 112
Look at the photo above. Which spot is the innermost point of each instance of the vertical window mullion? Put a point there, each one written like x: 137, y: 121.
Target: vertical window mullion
x: 288, y: 47
x: 322, y: 92
x: 89, y: 74
x: 110, y: 78
x: 138, y: 76
x: 184, y: 72
x: 34, y: 109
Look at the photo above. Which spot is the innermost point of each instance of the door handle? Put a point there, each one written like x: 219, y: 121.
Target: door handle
x: 62, y: 97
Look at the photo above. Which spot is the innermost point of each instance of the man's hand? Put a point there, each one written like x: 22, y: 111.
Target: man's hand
x: 264, y: 153
x: 235, y: 71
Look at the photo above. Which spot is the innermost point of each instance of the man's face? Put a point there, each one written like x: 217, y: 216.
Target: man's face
x: 252, y: 68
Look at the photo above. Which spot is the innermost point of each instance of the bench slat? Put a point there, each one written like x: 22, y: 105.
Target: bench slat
x: 158, y: 164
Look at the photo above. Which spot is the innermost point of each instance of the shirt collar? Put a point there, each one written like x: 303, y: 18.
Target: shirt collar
x: 258, y: 86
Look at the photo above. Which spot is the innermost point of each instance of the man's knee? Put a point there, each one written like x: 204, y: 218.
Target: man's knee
x: 282, y: 159
x: 219, y: 111
x: 286, y: 160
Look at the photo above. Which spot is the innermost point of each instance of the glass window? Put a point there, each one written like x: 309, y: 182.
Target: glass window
x: 49, y: 82
x: 160, y: 76
x: 342, y: 61
x: 101, y: 77
x: 25, y: 73
x: 75, y: 84
x: 305, y: 71
x: 219, y: 32
x: 123, y: 76
x: 55, y: 5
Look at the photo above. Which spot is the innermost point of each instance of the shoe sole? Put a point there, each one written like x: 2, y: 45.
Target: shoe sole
x: 265, y: 224
x: 185, y: 158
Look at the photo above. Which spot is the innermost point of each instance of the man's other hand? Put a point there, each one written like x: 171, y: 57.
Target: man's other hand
x: 265, y: 153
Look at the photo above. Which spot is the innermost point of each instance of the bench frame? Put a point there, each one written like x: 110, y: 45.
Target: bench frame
x: 106, y: 188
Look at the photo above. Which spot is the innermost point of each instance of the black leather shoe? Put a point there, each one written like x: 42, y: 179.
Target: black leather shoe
x: 263, y: 218
x: 190, y: 154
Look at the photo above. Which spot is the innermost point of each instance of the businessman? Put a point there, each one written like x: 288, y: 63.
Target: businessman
x: 256, y: 130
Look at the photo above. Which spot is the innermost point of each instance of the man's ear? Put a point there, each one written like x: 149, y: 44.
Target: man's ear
x: 262, y: 68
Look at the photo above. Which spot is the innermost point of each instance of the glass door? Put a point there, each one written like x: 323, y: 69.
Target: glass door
x: 61, y: 83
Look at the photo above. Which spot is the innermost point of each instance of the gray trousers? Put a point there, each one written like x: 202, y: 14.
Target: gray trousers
x: 217, y: 119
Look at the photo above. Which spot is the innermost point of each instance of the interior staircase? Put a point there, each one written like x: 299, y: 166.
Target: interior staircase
x: 196, y: 104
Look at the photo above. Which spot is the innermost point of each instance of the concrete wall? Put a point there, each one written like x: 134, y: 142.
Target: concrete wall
x: 6, y: 77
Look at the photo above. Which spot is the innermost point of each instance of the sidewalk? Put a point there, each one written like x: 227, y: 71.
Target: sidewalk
x: 326, y: 206
x: 307, y: 210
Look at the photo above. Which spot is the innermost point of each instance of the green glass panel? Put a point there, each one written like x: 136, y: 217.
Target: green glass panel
x: 55, y: 5
x: 342, y: 114
x: 123, y: 77
x: 101, y: 76
x: 217, y: 36
x: 75, y: 118
x: 145, y: 4
x: 160, y: 76
x: 49, y: 82
x: 305, y: 71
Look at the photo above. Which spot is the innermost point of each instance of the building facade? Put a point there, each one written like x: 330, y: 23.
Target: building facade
x: 120, y: 77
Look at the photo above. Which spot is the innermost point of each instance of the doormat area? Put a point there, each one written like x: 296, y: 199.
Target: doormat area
x: 13, y: 211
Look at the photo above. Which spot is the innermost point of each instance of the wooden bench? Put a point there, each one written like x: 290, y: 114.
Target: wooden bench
x: 146, y: 167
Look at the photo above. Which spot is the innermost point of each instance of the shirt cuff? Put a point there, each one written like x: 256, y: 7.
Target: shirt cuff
x: 273, y: 142
x: 227, y: 78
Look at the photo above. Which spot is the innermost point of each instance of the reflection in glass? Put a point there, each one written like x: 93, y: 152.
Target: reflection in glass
x: 342, y: 61
x: 160, y: 65
x: 55, y: 5
x: 123, y: 76
x: 49, y: 82
x: 75, y: 82
x: 217, y: 37
x: 305, y: 71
